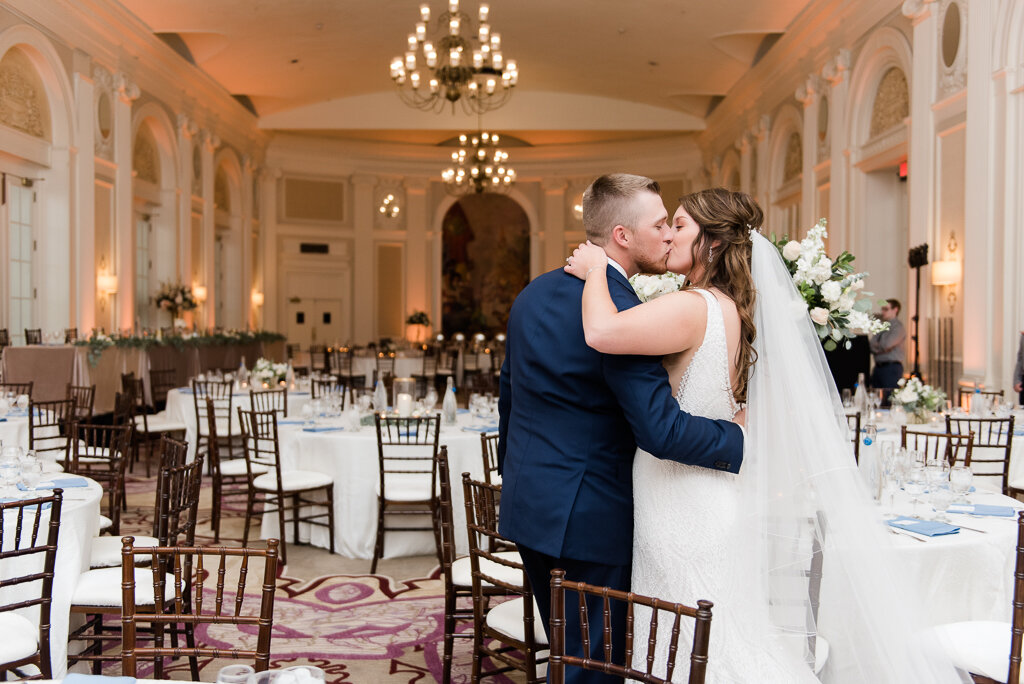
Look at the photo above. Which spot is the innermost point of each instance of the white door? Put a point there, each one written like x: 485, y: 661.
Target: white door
x: 315, y: 321
x: 21, y: 292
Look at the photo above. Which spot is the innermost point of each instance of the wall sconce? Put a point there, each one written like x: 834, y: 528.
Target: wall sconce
x: 257, y: 298
x: 199, y: 292
x: 389, y: 206
x: 106, y: 283
x: 948, y: 272
x: 577, y: 208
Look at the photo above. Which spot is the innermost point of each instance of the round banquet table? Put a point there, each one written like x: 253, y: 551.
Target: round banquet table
x: 351, y: 459
x: 79, y: 523
x: 14, y: 429
x: 181, y: 408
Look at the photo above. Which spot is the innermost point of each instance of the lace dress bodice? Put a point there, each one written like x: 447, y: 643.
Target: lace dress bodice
x: 705, y: 388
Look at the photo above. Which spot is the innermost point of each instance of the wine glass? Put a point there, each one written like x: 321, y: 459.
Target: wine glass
x: 914, y: 485
x: 31, y: 471
x: 960, y: 477
x: 235, y: 674
x: 430, y: 400
x: 941, y: 498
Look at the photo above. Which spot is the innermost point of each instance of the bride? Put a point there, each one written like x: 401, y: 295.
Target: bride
x: 755, y: 543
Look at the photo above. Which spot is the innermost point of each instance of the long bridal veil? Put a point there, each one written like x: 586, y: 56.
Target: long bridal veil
x: 829, y: 569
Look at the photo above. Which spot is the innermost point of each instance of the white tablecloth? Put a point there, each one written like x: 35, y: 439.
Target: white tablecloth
x: 14, y: 431
x: 351, y: 459
x: 79, y: 523
x: 181, y: 408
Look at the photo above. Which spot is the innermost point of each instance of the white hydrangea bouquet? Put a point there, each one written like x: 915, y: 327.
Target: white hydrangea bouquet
x: 266, y: 371
x: 917, y: 399
x: 650, y: 287
x: 835, y: 296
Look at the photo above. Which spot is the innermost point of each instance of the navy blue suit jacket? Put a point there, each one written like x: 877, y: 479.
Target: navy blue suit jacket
x: 571, y: 419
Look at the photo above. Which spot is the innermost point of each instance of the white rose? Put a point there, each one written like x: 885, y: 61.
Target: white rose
x: 819, y: 315
x: 831, y: 291
x: 846, y: 302
x: 792, y: 250
x: 650, y: 287
x: 857, y: 285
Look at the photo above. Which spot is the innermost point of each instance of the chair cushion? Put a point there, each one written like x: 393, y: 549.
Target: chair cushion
x: 105, y: 522
x: 462, y: 570
x: 406, y: 487
x: 293, y: 481
x: 979, y: 647
x: 106, y: 551
x: 102, y: 588
x: 507, y: 618
x: 159, y: 422
x: 21, y: 637
x: 236, y: 466
x: 222, y: 428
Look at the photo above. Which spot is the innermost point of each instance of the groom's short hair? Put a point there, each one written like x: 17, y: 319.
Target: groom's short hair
x: 608, y: 202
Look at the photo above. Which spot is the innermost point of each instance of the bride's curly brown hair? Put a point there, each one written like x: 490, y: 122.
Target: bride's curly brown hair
x: 728, y: 217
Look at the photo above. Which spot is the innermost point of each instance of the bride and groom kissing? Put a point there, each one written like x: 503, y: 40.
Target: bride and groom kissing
x: 621, y: 463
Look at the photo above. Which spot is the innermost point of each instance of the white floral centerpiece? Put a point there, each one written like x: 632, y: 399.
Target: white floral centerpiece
x: 175, y: 298
x: 268, y: 373
x: 835, y: 296
x: 650, y: 287
x: 917, y: 399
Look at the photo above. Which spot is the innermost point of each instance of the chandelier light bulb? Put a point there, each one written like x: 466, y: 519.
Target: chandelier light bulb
x: 410, y: 60
x: 453, y: 6
x: 412, y: 41
x: 424, y: 12
x: 454, y: 57
x: 484, y: 33
x: 495, y: 41
x: 454, y: 25
x: 421, y: 31
x: 478, y: 59
x: 496, y: 60
x: 485, y: 9
x: 415, y: 80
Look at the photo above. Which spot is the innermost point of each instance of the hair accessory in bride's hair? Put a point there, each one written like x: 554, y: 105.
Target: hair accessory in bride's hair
x: 751, y: 230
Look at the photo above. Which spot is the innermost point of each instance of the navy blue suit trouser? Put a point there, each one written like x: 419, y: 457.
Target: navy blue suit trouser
x: 538, y: 570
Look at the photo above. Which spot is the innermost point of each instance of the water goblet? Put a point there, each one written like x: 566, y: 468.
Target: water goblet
x: 870, y: 434
x: 915, y: 485
x: 960, y: 477
x: 9, y: 475
x: 307, y: 412
x: 935, y: 475
x: 235, y: 674
x: 430, y: 400
x: 941, y: 498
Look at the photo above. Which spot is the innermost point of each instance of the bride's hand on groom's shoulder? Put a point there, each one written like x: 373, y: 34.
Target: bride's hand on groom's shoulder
x: 585, y: 259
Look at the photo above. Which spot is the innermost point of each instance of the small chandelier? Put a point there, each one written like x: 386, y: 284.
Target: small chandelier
x: 480, y: 166
x: 456, y: 67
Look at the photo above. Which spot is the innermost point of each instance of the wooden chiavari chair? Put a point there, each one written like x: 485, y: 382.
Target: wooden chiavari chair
x: 407, y: 484
x: 489, y: 451
x: 232, y: 478
x: 342, y: 365
x: 17, y: 388
x: 600, y: 601
x: 162, y: 381
x: 228, y: 431
x: 48, y: 424
x: 282, y: 491
x: 385, y: 370
x: 321, y: 387
x: 174, y: 602
x: 950, y: 446
x: 513, y: 624
x: 270, y: 400
x: 24, y: 534
x: 990, y: 651
x: 964, y: 394
x: 318, y: 359
x: 427, y: 374
x: 447, y: 365
x: 84, y: 399
x: 853, y: 423
x: 101, y: 452
x: 33, y: 335
x: 70, y: 335
x: 5, y: 338
x: 994, y: 437
x: 98, y: 593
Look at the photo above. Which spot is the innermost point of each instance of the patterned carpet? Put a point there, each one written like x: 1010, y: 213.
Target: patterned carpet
x: 357, y: 628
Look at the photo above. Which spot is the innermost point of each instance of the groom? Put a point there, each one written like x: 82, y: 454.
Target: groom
x: 572, y: 418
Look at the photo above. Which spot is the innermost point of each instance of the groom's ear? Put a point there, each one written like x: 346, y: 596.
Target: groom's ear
x: 621, y: 236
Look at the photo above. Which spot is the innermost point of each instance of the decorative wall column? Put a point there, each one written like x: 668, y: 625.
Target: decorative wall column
x: 124, y: 216
x: 764, y: 125
x: 809, y: 95
x: 418, y: 281
x: 364, y: 257
x: 187, y: 132
x: 983, y: 292
x: 83, y: 307
x: 209, y: 145
x: 273, y: 302
x: 245, y: 192
x: 554, y: 223
x: 836, y: 73
x: 744, y: 145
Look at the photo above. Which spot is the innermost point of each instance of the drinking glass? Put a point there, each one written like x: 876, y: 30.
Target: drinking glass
x: 304, y: 674
x: 21, y: 401
x: 847, y: 398
x: 936, y: 475
x: 235, y: 674
x: 430, y: 401
x: 915, y: 485
x: 9, y: 475
x: 960, y: 477
x: 940, y: 498
x: 31, y: 471
x: 870, y: 434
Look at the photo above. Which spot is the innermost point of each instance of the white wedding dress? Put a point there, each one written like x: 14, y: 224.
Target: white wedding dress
x: 688, y: 542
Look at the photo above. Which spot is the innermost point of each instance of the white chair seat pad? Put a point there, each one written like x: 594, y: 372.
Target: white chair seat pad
x: 821, y: 651
x: 507, y: 618
x: 159, y: 422
x: 20, y: 637
x: 462, y: 570
x: 106, y: 551
x: 979, y: 647
x: 102, y: 588
x: 236, y: 466
x: 406, y: 486
x: 293, y: 481
x: 105, y: 522
x: 222, y: 429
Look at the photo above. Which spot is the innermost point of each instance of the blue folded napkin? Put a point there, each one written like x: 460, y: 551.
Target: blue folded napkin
x: 1018, y: 433
x: 289, y: 421
x: 983, y: 509
x: 299, y: 394
x: 461, y: 411
x: 482, y: 428
x: 76, y: 678
x: 323, y: 429
x: 927, y: 528
x: 183, y: 390
x: 61, y: 483
x: 19, y: 413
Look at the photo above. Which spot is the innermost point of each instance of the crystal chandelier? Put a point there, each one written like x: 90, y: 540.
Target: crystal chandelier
x: 462, y: 65
x: 479, y: 166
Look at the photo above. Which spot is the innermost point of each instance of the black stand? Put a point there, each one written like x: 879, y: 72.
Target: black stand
x: 917, y: 258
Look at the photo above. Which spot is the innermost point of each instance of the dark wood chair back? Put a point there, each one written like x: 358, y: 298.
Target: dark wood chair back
x: 489, y: 451
x: 84, y: 398
x: 48, y: 424
x: 177, y: 503
x: 70, y: 335
x: 659, y: 608
x: 33, y: 335
x: 995, y: 437
x: 23, y: 533
x: 173, y: 452
x: 224, y: 607
x: 5, y: 338
x: 260, y: 442
x: 392, y: 432
x: 135, y: 388
x: 17, y: 388
x: 951, y: 446
x: 270, y: 400
x: 101, y: 452
x: 964, y: 394
x: 220, y: 392
x: 482, y: 502
x: 318, y: 358
x: 162, y: 381
x: 385, y: 367
x: 853, y: 422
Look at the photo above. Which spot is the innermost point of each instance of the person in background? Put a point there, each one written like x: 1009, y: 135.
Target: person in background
x: 889, y: 348
x: 1018, y: 371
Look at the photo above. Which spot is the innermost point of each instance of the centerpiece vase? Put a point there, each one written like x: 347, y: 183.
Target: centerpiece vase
x: 919, y: 416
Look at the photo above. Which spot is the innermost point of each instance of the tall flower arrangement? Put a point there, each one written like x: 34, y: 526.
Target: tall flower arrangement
x: 834, y: 293
x: 175, y: 298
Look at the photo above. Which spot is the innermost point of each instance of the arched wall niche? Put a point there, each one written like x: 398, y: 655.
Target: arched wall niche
x: 784, y: 192
x: 885, y: 49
